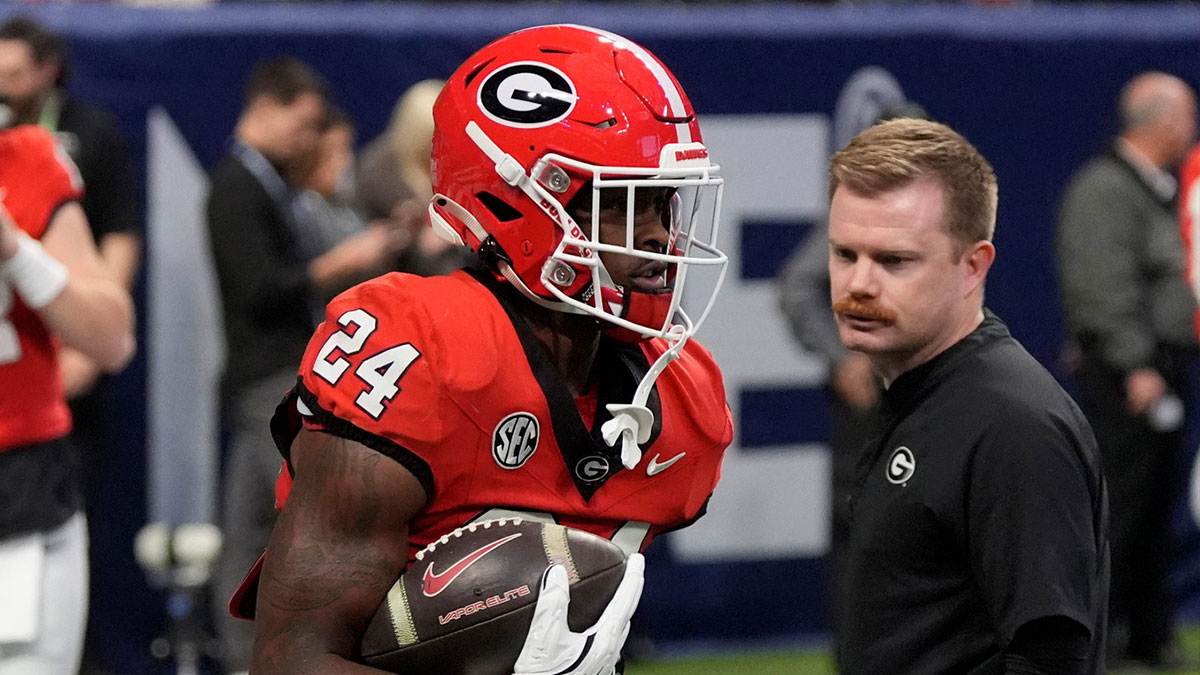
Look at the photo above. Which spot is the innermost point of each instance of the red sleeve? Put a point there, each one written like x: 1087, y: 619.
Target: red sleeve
x: 717, y: 419
x: 370, y: 374
x: 702, y: 406
x: 40, y: 178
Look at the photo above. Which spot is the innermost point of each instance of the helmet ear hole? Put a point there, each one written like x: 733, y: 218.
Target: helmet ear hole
x: 474, y: 73
x: 502, y: 210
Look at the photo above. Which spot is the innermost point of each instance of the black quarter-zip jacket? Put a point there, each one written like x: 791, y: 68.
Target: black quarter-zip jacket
x: 979, y: 507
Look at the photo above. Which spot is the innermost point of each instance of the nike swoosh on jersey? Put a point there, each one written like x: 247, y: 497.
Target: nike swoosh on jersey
x: 654, y: 468
x: 434, y: 583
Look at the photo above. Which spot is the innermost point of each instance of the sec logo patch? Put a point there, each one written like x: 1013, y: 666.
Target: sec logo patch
x: 515, y: 439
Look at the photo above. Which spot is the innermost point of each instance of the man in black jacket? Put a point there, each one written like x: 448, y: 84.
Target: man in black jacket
x: 979, y: 526
x: 274, y: 272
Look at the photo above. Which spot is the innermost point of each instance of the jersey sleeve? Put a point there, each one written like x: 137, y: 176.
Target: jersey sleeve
x: 704, y: 407
x: 370, y: 374
x: 52, y: 178
x: 1031, y: 523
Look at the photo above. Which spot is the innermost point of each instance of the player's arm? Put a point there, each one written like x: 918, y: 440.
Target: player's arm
x: 340, y: 543
x: 62, y: 278
x: 120, y: 252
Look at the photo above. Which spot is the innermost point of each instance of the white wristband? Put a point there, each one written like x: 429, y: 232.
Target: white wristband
x: 35, y: 274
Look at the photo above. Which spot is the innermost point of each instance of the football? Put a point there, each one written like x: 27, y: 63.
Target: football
x: 465, y: 604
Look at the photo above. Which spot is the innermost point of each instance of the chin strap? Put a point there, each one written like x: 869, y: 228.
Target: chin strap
x: 632, y: 422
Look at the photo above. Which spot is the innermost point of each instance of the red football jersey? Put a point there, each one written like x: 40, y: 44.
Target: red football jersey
x: 37, y: 178
x: 442, y: 375
x: 1189, y: 220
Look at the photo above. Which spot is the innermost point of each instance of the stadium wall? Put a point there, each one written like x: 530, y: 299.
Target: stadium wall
x: 777, y: 88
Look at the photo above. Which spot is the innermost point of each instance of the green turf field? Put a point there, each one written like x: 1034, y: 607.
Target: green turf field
x: 772, y: 663
x: 817, y: 662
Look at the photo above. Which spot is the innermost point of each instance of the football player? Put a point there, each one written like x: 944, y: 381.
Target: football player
x: 54, y: 291
x: 557, y: 381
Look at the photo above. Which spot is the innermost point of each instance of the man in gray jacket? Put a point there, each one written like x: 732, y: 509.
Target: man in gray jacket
x: 1129, y: 313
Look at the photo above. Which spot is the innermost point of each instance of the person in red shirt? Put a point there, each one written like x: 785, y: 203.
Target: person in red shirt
x: 54, y: 291
x: 1189, y: 221
x: 556, y: 381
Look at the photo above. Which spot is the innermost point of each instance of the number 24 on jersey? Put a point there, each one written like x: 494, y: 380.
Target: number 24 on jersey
x: 379, y: 372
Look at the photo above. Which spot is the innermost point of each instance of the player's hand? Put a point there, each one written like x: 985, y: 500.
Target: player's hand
x: 551, y: 647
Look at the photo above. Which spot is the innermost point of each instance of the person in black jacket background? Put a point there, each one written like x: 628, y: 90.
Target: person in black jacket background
x: 275, y: 269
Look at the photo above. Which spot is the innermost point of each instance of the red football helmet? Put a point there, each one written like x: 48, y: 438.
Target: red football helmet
x: 553, y: 120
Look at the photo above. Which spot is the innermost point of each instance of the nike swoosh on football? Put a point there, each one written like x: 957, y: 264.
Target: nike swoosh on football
x: 433, y: 583
x: 654, y: 468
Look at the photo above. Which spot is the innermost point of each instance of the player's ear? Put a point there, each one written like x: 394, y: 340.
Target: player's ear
x: 978, y: 258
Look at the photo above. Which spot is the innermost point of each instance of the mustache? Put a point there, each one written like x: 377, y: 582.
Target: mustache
x: 848, y: 305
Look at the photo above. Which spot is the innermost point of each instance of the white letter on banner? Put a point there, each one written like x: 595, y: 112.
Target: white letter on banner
x: 771, y: 502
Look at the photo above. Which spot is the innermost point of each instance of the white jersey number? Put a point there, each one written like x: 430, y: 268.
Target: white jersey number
x: 379, y: 372
x: 346, y: 343
x: 10, y: 345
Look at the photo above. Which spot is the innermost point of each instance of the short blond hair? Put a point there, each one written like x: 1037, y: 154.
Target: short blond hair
x: 894, y: 154
x: 411, y: 128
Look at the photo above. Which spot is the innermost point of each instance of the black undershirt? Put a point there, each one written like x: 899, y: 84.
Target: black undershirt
x: 39, y: 487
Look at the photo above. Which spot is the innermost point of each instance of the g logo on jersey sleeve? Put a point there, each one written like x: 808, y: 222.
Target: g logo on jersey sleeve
x: 527, y: 94
x: 515, y: 440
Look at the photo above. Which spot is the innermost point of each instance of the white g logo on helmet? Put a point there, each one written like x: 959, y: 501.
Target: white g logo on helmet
x: 527, y: 94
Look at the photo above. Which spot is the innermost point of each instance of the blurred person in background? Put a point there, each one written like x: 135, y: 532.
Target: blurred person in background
x: 1129, y: 314
x: 1189, y: 221
x: 852, y: 390
x: 273, y: 269
x: 54, y: 290
x: 33, y: 73
x: 393, y: 183
x: 326, y: 197
x: 979, y: 526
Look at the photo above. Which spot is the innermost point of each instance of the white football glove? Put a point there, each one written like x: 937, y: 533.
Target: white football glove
x: 551, y: 647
